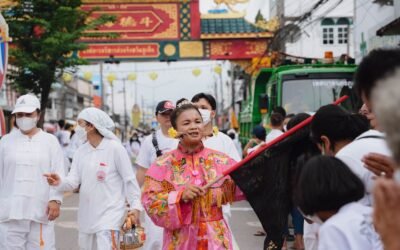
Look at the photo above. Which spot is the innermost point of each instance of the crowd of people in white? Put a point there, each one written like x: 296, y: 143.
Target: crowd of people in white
x: 348, y: 196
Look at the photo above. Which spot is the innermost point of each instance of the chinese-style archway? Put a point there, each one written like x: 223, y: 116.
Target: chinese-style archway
x: 170, y: 30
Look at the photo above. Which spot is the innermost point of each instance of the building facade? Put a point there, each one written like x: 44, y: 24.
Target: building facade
x: 376, y: 26
x: 328, y: 27
x: 69, y: 98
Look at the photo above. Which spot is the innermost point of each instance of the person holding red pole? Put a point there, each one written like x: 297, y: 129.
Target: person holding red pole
x: 173, y: 194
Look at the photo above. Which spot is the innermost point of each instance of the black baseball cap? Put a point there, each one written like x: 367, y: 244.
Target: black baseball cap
x: 164, y: 106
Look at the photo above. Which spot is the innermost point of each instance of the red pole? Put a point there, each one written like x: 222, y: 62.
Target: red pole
x: 269, y: 144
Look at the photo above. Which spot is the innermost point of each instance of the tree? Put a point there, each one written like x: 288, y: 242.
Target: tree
x: 44, y: 35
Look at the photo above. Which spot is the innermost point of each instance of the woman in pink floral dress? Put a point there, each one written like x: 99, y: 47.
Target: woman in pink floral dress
x: 173, y: 195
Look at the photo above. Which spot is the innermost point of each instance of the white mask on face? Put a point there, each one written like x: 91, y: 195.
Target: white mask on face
x: 26, y: 123
x: 206, y: 115
x: 81, y: 133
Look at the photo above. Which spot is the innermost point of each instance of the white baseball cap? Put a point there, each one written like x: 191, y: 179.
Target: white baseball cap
x: 26, y: 104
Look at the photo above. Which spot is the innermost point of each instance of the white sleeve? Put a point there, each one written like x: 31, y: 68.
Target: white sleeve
x: 65, y: 138
x: 57, y: 166
x: 73, y: 179
x: 145, y: 154
x: 332, y: 238
x: 2, y: 157
x: 355, y: 165
x: 131, y: 186
x: 231, y: 150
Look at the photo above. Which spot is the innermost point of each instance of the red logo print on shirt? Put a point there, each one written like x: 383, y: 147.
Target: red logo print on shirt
x: 101, y: 175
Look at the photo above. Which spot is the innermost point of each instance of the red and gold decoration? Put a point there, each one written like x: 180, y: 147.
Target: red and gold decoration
x: 237, y: 49
x: 121, y: 51
x: 139, y: 21
x: 170, y: 30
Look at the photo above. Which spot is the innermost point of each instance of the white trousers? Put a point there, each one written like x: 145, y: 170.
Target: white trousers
x: 26, y: 235
x: 154, y: 235
x: 103, y: 240
x: 226, y: 210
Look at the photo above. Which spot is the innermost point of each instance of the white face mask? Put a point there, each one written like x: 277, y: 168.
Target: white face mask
x: 81, y: 133
x: 206, y: 115
x: 26, y: 123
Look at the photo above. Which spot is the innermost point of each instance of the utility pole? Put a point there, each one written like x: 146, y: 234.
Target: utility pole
x: 216, y: 89
x: 125, y: 113
x: 233, y: 80
x: 348, y: 41
x: 280, y: 13
x: 222, y: 93
x: 136, y: 92
x: 112, y: 100
x: 102, y: 87
x: 143, y: 110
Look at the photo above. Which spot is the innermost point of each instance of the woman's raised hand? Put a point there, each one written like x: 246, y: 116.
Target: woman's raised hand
x: 192, y: 192
x: 52, y: 179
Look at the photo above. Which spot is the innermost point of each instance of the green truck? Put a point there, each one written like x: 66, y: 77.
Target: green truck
x: 296, y: 88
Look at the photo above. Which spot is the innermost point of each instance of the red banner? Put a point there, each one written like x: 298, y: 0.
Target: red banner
x: 121, y: 50
x: 138, y: 21
x: 238, y: 49
x: 97, y: 101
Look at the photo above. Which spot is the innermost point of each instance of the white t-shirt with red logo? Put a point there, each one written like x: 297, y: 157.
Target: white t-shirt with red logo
x: 107, y: 179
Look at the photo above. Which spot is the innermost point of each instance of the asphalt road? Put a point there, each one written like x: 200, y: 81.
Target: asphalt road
x: 244, y: 224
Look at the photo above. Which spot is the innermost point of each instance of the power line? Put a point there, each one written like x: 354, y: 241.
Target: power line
x: 282, y: 33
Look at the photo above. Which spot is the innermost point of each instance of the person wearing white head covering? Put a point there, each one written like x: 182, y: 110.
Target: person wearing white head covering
x: 103, y: 169
x: 27, y: 204
x: 100, y: 120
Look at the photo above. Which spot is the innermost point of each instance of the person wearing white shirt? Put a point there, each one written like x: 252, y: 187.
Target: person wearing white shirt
x: 28, y: 204
x: 376, y: 72
x: 235, y: 138
x: 257, y: 141
x: 214, y: 140
x: 330, y: 140
x: 103, y: 169
x: 276, y: 121
x: 327, y: 194
x: 63, y: 136
x: 160, y: 142
x: 371, y: 141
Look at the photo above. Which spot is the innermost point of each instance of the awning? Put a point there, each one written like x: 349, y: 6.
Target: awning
x: 392, y: 28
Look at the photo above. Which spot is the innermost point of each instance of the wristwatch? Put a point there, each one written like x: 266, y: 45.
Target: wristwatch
x: 57, y: 201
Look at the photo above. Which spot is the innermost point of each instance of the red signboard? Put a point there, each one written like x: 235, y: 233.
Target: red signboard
x: 97, y: 101
x: 237, y: 49
x: 138, y: 21
x: 121, y: 50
